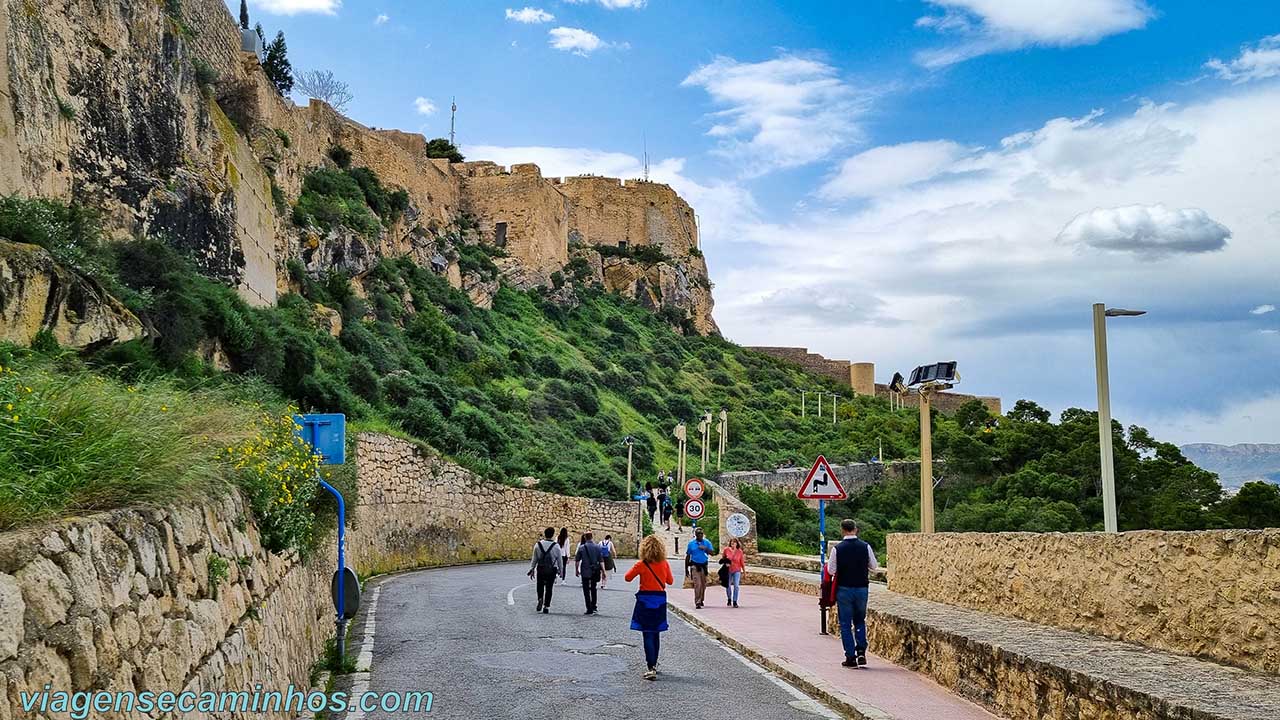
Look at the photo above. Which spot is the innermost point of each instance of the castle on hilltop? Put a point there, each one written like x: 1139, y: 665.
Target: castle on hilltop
x: 201, y: 150
x: 860, y: 377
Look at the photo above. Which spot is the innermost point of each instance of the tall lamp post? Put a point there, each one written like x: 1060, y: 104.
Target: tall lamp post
x: 1100, y: 314
x: 628, y: 441
x: 931, y: 379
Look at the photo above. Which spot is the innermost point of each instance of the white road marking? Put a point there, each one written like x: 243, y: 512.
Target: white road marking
x: 511, y: 594
x: 364, y: 661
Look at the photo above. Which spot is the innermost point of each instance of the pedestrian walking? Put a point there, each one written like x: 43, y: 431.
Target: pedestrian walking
x: 546, y: 565
x: 588, y: 565
x: 666, y: 511
x: 606, y: 553
x: 563, y: 541
x: 737, y: 564
x: 851, y: 561
x: 651, y: 505
x: 696, y: 557
x: 650, y: 613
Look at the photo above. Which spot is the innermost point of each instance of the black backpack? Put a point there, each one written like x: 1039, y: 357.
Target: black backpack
x: 545, y: 561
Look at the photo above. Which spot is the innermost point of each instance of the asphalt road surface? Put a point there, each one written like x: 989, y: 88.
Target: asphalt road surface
x: 453, y: 632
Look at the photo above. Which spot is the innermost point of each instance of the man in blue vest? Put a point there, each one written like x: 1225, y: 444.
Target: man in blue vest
x: 851, y: 561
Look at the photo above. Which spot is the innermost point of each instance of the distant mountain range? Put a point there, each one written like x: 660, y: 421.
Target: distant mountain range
x: 1237, y: 464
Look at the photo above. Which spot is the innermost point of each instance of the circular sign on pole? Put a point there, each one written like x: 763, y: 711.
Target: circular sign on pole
x: 693, y: 509
x: 350, y: 592
x: 738, y: 525
x: 693, y: 489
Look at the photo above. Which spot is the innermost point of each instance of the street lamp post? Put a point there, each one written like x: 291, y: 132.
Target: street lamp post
x: 629, y: 441
x: 926, y: 463
x: 1100, y: 315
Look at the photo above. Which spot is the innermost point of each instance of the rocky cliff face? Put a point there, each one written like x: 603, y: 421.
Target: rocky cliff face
x: 152, y: 112
x: 37, y: 295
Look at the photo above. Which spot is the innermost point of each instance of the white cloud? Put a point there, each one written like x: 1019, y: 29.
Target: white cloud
x: 961, y: 248
x: 530, y: 15
x: 890, y: 167
x: 1148, y: 231
x: 577, y: 41
x: 612, y: 4
x: 1263, y: 310
x: 295, y: 7
x: 424, y: 106
x: 985, y: 26
x: 780, y: 113
x: 382, y: 19
x: 1255, y: 62
x: 1245, y: 420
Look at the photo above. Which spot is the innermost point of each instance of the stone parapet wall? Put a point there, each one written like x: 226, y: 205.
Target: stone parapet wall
x: 419, y: 510
x: 855, y: 477
x: 730, y: 504
x: 1212, y: 594
x: 125, y: 601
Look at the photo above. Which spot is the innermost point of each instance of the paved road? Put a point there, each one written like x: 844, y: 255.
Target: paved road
x: 452, y: 631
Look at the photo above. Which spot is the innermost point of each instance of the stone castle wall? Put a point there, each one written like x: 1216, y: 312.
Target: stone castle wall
x: 1213, y: 594
x: 102, y: 102
x: 419, y: 510
x: 860, y: 377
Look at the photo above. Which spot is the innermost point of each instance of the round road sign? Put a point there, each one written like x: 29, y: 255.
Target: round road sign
x: 738, y: 525
x: 693, y: 488
x: 693, y: 509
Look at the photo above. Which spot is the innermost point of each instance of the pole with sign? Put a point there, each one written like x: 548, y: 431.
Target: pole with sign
x: 821, y: 484
x: 327, y: 436
x: 694, y: 507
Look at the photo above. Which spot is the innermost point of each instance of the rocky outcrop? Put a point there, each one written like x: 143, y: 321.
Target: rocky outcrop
x: 37, y: 294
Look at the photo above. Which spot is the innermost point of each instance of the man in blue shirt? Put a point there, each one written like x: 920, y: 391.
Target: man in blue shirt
x: 696, y: 557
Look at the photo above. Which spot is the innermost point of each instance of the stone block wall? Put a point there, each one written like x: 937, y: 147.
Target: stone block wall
x: 855, y: 477
x: 1213, y: 594
x: 125, y: 601
x: 730, y: 504
x: 420, y: 510
x: 607, y: 211
x: 532, y: 213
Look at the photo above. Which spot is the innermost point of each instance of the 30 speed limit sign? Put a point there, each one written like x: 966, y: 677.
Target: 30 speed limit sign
x: 693, y: 509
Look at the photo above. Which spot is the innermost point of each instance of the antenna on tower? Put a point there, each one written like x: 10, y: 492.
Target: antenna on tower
x: 453, y: 116
x: 645, y: 137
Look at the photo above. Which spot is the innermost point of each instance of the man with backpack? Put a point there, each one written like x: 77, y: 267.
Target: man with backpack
x: 589, y: 565
x: 546, y: 565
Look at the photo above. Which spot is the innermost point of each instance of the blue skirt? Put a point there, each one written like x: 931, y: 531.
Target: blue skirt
x: 650, y: 614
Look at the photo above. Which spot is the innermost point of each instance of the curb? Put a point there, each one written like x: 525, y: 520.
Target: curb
x: 794, y: 675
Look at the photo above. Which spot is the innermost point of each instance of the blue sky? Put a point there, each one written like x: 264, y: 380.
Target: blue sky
x: 902, y: 181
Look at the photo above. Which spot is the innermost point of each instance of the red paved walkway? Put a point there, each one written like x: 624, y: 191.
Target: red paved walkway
x: 784, y: 625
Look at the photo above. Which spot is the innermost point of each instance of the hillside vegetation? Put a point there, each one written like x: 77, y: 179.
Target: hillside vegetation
x: 548, y: 389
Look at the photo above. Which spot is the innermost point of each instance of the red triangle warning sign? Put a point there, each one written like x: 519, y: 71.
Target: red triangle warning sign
x: 821, y: 483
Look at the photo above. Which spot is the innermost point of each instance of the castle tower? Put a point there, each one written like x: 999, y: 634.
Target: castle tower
x: 862, y: 378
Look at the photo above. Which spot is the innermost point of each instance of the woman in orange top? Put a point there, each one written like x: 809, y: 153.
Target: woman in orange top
x: 737, y: 558
x: 650, y: 614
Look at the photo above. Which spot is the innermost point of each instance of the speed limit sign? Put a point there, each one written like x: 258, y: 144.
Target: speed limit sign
x: 693, y: 509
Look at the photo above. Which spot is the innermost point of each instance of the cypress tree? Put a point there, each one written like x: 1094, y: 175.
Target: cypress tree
x: 275, y: 63
x: 244, y: 14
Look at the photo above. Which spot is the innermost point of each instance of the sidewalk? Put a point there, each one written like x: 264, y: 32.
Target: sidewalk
x: 780, y: 629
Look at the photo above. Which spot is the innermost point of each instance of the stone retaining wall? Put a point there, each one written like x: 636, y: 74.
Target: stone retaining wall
x: 124, y: 601
x: 730, y: 504
x: 1213, y: 594
x: 420, y: 510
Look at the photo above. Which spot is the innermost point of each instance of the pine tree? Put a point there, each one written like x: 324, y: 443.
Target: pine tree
x: 244, y: 14
x: 275, y: 63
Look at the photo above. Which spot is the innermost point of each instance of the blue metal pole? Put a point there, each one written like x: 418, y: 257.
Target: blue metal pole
x: 342, y: 566
x: 822, y: 556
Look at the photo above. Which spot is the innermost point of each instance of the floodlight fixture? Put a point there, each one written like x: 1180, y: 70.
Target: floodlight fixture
x: 898, y: 383
x: 937, y: 373
x: 1121, y: 312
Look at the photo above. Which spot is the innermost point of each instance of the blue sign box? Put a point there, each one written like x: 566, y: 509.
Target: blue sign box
x: 327, y: 434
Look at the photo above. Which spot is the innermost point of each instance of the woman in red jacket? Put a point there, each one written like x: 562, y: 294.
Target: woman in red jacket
x: 737, y: 558
x: 650, y: 614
